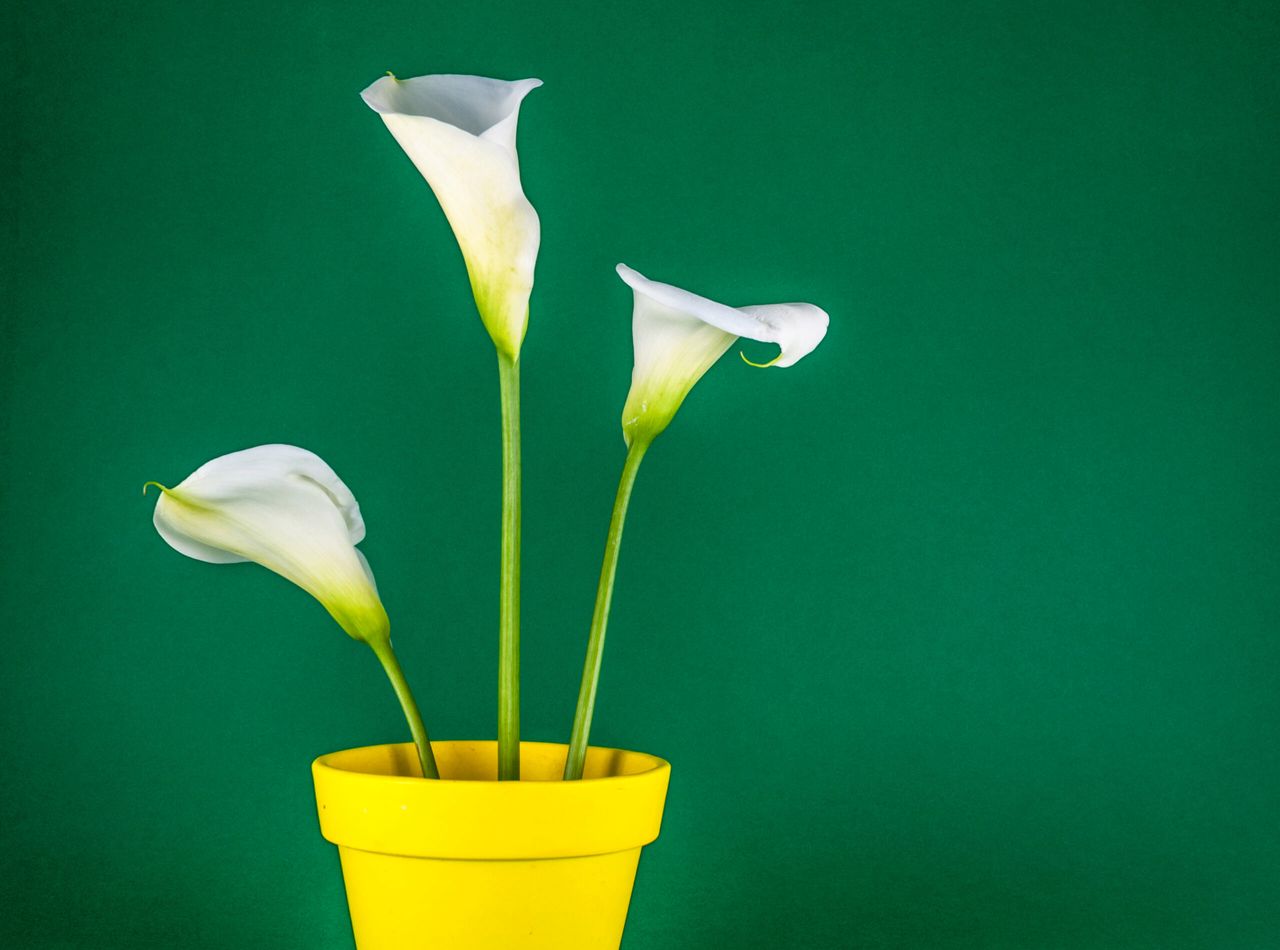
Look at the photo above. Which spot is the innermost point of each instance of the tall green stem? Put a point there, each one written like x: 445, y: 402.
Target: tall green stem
x: 600, y: 617
x: 509, y: 590
x: 387, y: 657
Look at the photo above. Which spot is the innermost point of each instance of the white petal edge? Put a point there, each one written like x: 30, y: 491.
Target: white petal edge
x: 228, y: 475
x: 478, y: 105
x: 182, y: 542
x: 797, y: 328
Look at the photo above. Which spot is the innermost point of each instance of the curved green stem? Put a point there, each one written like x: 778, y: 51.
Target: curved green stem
x: 509, y: 584
x: 387, y: 657
x: 577, y: 757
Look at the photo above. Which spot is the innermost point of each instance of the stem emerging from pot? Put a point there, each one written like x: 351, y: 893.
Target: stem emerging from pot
x: 509, y: 584
x: 387, y: 657
x: 577, y: 756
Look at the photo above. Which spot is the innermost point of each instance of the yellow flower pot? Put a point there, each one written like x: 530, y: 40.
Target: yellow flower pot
x: 469, y: 863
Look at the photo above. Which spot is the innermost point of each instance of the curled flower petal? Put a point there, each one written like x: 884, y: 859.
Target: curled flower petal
x: 797, y: 328
x: 678, y: 335
x: 284, y: 508
x: 460, y: 132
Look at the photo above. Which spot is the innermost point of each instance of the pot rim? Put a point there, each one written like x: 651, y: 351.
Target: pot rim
x: 372, y: 805
x: 329, y: 761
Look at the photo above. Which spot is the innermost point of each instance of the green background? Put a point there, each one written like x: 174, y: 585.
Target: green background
x: 962, y: 633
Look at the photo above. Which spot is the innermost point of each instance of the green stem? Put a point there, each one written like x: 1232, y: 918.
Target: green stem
x: 387, y: 657
x: 577, y: 756
x: 509, y: 585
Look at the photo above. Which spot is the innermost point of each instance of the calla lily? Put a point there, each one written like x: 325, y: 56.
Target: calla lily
x: 460, y: 132
x: 284, y: 508
x: 678, y: 336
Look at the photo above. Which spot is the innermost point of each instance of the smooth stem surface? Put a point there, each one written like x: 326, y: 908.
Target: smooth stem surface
x: 600, y: 617
x: 509, y: 589
x: 387, y: 657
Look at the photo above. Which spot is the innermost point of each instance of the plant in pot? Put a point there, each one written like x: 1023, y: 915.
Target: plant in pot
x: 476, y: 844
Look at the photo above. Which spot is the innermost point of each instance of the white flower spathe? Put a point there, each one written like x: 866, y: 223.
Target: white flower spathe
x: 284, y: 508
x: 460, y: 132
x: 678, y: 336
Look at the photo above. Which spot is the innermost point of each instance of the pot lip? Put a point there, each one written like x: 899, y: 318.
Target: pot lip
x: 390, y: 809
x: 654, y: 766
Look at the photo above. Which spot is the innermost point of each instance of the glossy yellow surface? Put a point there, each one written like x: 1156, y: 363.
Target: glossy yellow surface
x: 469, y: 863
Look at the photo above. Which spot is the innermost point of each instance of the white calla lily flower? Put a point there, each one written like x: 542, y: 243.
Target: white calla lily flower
x: 284, y: 508
x: 460, y: 132
x: 678, y: 336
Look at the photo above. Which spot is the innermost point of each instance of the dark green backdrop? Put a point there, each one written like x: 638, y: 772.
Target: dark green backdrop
x: 962, y: 633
